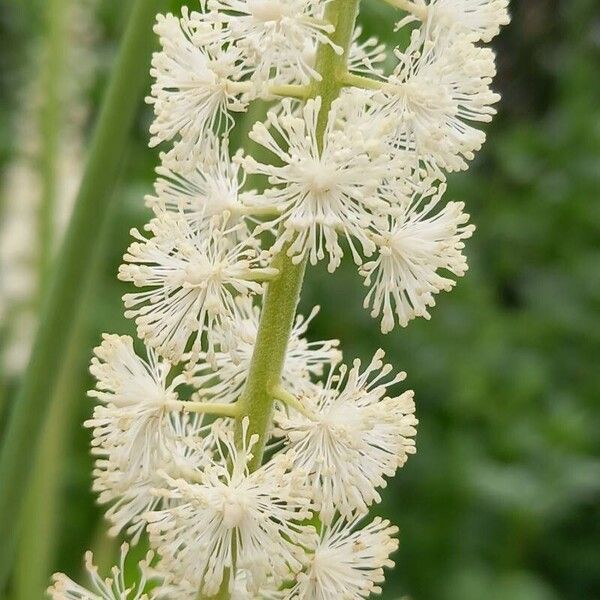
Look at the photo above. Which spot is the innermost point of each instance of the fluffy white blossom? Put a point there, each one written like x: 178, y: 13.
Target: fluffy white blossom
x: 348, y: 562
x: 438, y: 88
x: 198, y: 83
x: 111, y: 588
x: 273, y: 35
x: 135, y: 432
x: 212, y: 187
x: 258, y: 513
x: 134, y: 395
x: 304, y: 360
x: 421, y: 242
x: 366, y: 56
x: 369, y: 126
x: 171, y: 589
x: 127, y: 499
x: 131, y: 495
x: 351, y: 437
x: 362, y: 174
x: 322, y: 193
x: 480, y: 18
x: 193, y: 275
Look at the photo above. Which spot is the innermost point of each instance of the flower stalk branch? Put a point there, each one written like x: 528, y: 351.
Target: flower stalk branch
x: 281, y: 394
x: 420, y: 11
x: 290, y: 91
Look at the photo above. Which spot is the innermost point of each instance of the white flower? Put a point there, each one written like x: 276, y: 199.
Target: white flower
x: 111, y: 588
x: 135, y: 433
x: 370, y: 127
x: 128, y: 499
x: 135, y: 398
x: 321, y: 194
x: 273, y: 35
x: 348, y: 562
x: 481, y: 18
x: 366, y: 56
x: 304, y: 360
x: 354, y: 437
x: 258, y: 513
x: 212, y: 187
x: 198, y: 82
x: 193, y: 276
x: 241, y: 588
x: 131, y: 495
x: 419, y: 240
x: 437, y: 88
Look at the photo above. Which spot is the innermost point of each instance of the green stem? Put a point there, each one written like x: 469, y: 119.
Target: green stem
x: 291, y: 91
x: 72, y: 271
x: 52, y: 65
x: 40, y: 532
x: 275, y: 328
x: 281, y: 394
x: 333, y: 67
x: 282, y: 295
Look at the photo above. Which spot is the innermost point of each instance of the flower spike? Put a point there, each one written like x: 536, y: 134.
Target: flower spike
x: 248, y: 454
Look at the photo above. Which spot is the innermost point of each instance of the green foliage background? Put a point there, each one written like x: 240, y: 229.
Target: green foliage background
x: 502, y: 500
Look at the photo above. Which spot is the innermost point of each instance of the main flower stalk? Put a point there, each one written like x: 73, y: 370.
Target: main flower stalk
x: 282, y: 295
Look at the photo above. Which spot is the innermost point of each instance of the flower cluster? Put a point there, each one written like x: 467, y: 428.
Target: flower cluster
x: 362, y: 173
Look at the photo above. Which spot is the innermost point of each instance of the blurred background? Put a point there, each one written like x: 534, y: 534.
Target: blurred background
x: 502, y: 500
